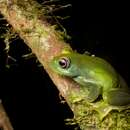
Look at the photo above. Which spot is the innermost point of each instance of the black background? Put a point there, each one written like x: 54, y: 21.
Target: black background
x: 29, y: 96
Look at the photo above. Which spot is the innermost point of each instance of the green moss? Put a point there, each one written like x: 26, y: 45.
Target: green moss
x: 35, y: 11
x: 88, y: 118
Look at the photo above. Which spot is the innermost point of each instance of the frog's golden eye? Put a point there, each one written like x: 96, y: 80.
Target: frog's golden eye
x: 64, y: 62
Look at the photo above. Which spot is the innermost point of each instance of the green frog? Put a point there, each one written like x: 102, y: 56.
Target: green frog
x: 98, y: 77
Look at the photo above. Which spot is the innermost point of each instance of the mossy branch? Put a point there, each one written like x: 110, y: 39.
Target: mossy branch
x: 27, y: 19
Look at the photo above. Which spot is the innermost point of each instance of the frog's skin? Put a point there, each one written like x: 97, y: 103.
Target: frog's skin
x: 98, y: 77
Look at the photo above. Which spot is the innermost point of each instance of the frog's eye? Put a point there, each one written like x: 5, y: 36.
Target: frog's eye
x: 64, y: 62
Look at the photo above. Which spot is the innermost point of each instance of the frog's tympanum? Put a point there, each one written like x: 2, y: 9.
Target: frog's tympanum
x: 98, y: 77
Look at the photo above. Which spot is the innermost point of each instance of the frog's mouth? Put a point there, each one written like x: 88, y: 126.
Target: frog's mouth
x: 68, y: 74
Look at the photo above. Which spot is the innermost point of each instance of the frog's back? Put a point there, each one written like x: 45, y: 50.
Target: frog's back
x: 98, y: 70
x: 94, y: 63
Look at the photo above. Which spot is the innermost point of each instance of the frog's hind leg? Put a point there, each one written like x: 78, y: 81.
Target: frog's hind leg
x: 118, y: 97
x: 112, y: 100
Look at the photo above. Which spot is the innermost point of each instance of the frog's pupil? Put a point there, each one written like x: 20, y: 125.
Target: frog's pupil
x: 64, y: 63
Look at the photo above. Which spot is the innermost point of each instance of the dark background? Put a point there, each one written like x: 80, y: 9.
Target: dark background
x: 29, y: 96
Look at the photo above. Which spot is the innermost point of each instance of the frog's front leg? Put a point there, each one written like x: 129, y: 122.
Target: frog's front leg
x: 93, y: 91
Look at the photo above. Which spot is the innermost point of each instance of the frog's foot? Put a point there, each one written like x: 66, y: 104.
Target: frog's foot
x: 102, y: 108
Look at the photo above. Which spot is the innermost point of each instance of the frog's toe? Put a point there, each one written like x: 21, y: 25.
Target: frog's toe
x: 102, y: 108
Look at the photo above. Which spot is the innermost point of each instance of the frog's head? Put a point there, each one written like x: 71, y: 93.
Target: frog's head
x: 65, y: 64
